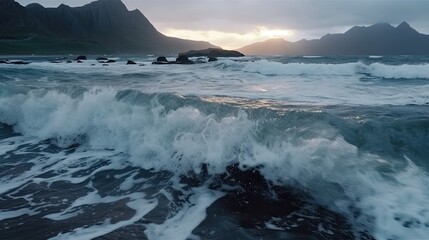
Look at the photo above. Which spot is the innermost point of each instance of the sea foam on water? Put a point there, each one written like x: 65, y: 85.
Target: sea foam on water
x: 319, y: 128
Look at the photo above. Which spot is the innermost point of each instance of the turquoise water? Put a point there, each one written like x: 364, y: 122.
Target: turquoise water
x: 246, y: 148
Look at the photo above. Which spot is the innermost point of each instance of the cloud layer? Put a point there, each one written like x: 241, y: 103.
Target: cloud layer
x: 306, y: 18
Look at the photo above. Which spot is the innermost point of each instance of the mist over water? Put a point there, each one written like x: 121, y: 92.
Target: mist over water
x: 250, y: 148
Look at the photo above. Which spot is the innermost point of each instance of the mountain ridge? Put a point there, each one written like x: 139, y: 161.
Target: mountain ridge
x: 377, y: 39
x: 103, y: 26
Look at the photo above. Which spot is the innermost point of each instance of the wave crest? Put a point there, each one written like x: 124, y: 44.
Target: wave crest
x: 379, y: 70
x: 178, y: 134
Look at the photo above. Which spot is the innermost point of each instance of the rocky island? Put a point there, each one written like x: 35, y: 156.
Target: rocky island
x: 212, y: 53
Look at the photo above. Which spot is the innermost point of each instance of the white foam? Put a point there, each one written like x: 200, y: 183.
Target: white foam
x: 311, y: 56
x: 180, y: 226
x: 9, y: 145
x: 8, y: 183
x: 405, y: 71
x: 352, y: 83
x: 144, y: 133
x: 271, y: 226
x: 4, y: 215
x: 397, y: 71
x: 301, y: 69
x: 183, y: 139
x: 400, y: 207
x: 90, y: 67
x: 140, y: 205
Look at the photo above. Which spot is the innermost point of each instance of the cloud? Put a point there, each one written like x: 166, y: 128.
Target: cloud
x: 230, y: 40
x: 239, y: 18
x: 236, y: 15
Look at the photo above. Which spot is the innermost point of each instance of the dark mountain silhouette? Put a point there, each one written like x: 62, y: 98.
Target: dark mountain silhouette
x: 378, y: 39
x: 104, y: 26
x: 212, y: 53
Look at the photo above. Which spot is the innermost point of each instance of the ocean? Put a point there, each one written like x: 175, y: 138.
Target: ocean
x: 244, y: 148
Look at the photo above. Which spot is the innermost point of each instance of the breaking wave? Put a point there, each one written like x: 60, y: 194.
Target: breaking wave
x: 343, y: 160
x: 379, y: 70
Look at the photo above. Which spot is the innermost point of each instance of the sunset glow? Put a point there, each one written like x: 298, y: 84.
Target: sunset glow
x: 228, y: 40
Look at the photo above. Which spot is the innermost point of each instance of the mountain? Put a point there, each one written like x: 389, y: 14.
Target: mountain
x: 275, y: 46
x: 378, y: 39
x: 103, y: 26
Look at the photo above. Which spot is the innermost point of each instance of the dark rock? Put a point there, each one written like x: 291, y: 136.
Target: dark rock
x: 81, y: 58
x: 161, y: 59
x: 129, y: 62
x: 141, y: 64
x: 102, y: 59
x: 212, y: 59
x: 212, y: 52
x: 19, y: 63
x: 105, y: 65
x: 93, y: 64
x: 285, y: 206
x: 79, y: 61
x: 183, y: 60
x: 68, y: 61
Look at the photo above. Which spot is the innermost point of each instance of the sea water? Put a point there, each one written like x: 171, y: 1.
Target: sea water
x: 245, y: 148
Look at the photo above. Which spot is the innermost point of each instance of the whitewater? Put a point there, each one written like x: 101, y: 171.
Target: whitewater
x: 243, y: 148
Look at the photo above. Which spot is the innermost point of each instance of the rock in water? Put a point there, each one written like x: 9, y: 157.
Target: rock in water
x: 212, y: 52
x: 162, y: 60
x: 102, y: 59
x: 212, y: 59
x: 81, y: 58
x: 129, y: 62
x: 183, y: 60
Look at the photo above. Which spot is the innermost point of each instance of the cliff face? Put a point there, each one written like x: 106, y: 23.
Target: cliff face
x: 378, y: 39
x: 14, y: 20
x: 105, y: 24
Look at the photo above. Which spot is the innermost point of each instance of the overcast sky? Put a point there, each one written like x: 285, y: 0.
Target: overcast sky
x: 235, y: 23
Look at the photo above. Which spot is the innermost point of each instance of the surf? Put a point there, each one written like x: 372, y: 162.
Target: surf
x: 206, y: 141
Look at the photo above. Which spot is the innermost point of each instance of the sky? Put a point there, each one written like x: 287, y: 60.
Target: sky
x: 235, y: 23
